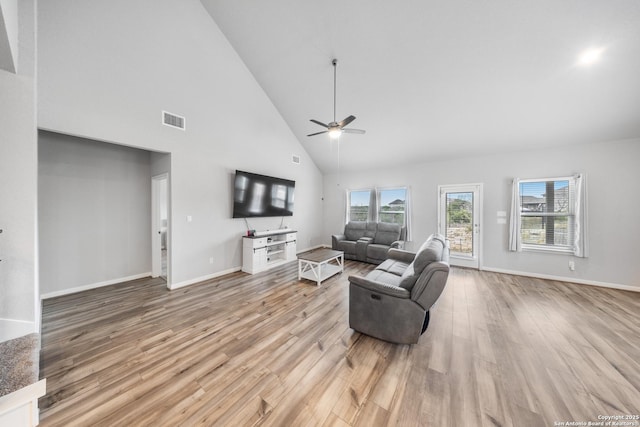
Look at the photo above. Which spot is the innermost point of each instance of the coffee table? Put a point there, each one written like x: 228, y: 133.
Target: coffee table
x: 320, y: 265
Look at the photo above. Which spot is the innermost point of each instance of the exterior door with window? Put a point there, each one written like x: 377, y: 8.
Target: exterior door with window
x: 459, y: 219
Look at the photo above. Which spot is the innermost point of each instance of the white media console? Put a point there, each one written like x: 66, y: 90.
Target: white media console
x: 264, y: 251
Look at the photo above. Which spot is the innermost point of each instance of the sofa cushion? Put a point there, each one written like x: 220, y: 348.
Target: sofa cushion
x: 393, y: 266
x: 408, y: 278
x: 387, y: 233
x: 347, y: 246
x: 384, y: 277
x: 438, y: 236
x: 430, y: 251
x: 375, y: 251
x: 372, y: 227
x: 355, y: 230
x: 385, y: 265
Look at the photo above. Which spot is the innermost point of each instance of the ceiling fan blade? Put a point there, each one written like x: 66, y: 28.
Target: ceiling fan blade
x: 346, y: 121
x: 360, y: 131
x: 319, y: 123
x: 318, y: 133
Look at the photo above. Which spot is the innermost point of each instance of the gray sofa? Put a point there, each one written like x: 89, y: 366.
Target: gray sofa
x: 392, y: 302
x: 368, y: 241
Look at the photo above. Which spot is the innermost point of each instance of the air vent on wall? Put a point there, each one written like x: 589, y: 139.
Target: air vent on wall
x: 295, y: 159
x: 173, y: 120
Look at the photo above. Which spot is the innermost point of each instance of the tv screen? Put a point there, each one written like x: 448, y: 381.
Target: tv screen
x: 260, y: 195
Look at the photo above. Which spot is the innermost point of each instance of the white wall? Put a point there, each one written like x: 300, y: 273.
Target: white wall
x: 94, y: 212
x: 19, y: 307
x: 17, y: 198
x: 106, y: 71
x: 612, y: 172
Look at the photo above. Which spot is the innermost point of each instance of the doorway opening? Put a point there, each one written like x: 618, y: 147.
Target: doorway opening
x: 160, y: 226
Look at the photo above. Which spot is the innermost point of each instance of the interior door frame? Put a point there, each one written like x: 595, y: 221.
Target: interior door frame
x: 156, y: 237
x: 475, y: 260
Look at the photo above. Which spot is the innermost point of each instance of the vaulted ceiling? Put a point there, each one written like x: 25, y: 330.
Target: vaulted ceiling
x: 441, y: 79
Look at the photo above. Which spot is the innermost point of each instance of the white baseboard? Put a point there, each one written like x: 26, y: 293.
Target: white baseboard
x: 93, y: 286
x: 11, y: 328
x: 203, y: 278
x: 564, y: 279
x: 224, y: 272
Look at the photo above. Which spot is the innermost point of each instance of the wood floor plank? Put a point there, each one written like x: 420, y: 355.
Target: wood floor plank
x: 268, y: 350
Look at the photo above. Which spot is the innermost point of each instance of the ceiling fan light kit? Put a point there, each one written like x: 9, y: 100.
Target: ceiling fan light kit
x: 335, y: 129
x: 335, y: 133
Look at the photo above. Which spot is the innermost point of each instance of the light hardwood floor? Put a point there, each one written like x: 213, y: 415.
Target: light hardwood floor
x: 268, y: 350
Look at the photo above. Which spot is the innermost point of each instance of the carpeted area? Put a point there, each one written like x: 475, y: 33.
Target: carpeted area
x: 19, y: 363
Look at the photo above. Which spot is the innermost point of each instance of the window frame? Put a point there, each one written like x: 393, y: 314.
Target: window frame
x: 570, y: 215
x: 379, y: 204
x: 348, y: 210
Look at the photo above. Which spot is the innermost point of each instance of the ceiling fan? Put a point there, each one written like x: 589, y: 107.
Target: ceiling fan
x: 335, y: 129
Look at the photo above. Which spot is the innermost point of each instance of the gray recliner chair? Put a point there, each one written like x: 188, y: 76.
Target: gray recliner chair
x: 392, y: 302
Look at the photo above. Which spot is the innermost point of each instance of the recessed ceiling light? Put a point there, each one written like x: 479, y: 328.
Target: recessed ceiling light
x: 590, y: 56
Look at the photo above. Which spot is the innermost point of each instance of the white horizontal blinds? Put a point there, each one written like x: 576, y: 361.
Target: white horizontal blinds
x: 547, y: 213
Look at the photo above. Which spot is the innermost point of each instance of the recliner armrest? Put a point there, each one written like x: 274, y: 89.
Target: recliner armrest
x: 430, y: 284
x: 398, y: 244
x: 335, y: 238
x: 401, y: 255
x: 379, y: 287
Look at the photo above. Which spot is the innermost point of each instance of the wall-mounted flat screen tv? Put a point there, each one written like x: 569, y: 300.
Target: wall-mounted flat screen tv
x: 260, y: 195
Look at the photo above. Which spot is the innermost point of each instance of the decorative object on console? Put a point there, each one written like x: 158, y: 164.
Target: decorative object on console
x: 368, y: 241
x: 392, y: 302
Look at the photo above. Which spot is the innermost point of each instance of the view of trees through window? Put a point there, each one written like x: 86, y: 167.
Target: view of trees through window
x: 392, y: 205
x: 359, y: 205
x: 545, y: 214
x: 460, y: 222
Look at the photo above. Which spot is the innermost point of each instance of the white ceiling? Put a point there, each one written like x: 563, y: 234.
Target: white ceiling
x: 441, y: 79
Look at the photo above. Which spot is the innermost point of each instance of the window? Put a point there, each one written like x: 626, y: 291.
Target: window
x: 392, y: 205
x: 547, y: 209
x: 358, y: 209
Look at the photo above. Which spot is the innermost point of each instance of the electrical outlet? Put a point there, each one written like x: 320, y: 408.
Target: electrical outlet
x: 572, y: 266
x: 211, y: 260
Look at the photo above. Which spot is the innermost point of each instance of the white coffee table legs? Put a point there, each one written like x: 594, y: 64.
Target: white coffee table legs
x: 319, y: 271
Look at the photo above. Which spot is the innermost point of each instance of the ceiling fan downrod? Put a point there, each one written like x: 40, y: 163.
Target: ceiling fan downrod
x: 335, y: 67
x: 335, y: 128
